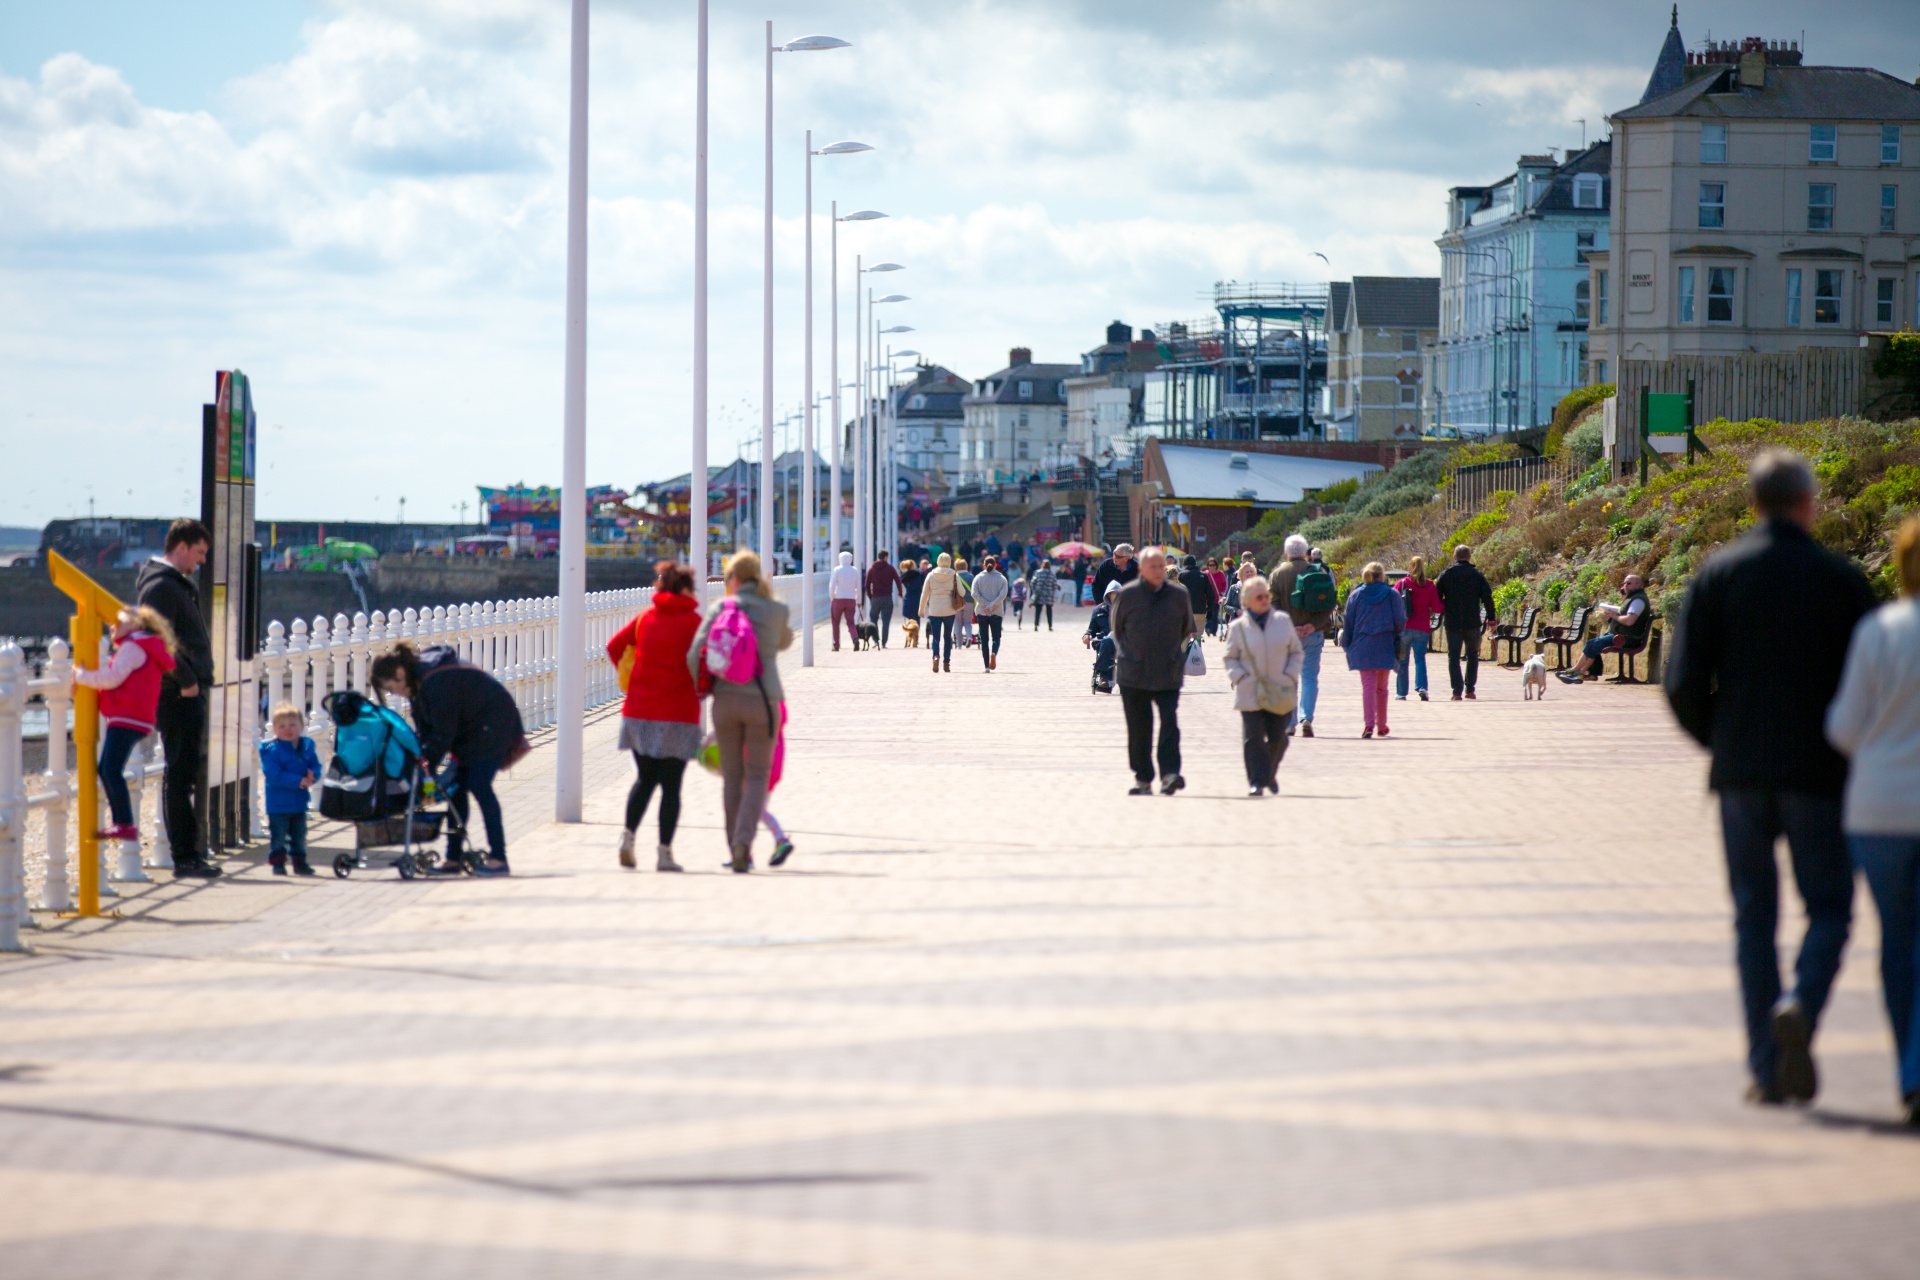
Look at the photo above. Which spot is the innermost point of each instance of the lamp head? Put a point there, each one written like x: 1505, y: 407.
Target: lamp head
x: 813, y: 44
x: 886, y: 266
x: 899, y: 328
x: 893, y: 297
x: 842, y: 148
x: 864, y: 215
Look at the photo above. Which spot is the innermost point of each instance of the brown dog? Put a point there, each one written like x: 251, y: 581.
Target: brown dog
x: 911, y: 630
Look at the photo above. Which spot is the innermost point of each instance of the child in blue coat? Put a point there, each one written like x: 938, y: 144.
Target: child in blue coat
x: 290, y: 766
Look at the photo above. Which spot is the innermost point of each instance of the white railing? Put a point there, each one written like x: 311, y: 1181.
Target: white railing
x: 518, y: 641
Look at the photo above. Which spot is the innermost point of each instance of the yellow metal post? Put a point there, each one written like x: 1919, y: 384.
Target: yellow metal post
x: 94, y: 608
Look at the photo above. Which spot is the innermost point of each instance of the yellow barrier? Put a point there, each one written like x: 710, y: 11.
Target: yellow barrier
x: 94, y: 609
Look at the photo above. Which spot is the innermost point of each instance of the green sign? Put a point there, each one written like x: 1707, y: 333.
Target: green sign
x: 1666, y: 414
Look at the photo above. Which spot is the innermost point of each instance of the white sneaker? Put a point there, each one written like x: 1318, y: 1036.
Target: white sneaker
x: 665, y: 861
x: 626, y: 850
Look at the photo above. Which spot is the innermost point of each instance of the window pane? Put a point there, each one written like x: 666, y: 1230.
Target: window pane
x: 1820, y: 143
x: 1713, y: 204
x: 1720, y: 295
x: 1826, y: 297
x: 1600, y: 310
x: 1713, y: 144
x: 1820, y: 206
x: 1793, y: 297
x: 1889, y: 144
x: 1582, y: 305
x: 1889, y: 206
x: 1883, y: 300
x: 1686, y: 295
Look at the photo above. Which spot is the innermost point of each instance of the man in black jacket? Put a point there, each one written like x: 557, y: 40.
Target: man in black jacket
x: 166, y: 584
x: 1757, y: 657
x: 1120, y: 567
x: 1463, y: 594
x: 1152, y: 622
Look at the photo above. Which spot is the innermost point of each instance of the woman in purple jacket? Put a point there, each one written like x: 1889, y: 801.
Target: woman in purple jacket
x: 1376, y: 615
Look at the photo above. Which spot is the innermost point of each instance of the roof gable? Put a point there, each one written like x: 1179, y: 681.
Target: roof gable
x: 1396, y: 302
x: 1790, y: 93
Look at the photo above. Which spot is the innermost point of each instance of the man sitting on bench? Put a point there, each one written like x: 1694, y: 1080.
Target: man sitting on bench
x: 1630, y: 622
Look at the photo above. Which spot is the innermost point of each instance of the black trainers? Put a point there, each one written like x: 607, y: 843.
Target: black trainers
x: 302, y: 869
x: 195, y: 868
x: 491, y: 867
x: 1794, y: 1075
x: 279, y: 867
x: 1141, y: 788
x: 1172, y: 784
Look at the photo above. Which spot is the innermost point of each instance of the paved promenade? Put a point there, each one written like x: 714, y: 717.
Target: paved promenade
x: 1456, y: 1004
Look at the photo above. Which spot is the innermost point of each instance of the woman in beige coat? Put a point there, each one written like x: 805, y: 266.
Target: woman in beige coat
x: 1263, y: 665
x: 941, y: 596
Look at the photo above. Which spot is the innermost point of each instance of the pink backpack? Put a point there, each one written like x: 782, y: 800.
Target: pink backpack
x: 733, y: 651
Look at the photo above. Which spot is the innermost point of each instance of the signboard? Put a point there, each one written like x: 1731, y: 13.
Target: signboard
x: 229, y: 594
x: 1666, y: 426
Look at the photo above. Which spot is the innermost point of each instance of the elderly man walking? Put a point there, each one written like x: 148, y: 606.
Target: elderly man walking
x: 1310, y: 608
x: 1757, y: 658
x: 1464, y: 597
x: 843, y: 588
x: 1152, y: 622
x: 882, y: 587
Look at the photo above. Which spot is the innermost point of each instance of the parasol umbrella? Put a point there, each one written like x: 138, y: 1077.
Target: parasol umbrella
x: 1070, y: 550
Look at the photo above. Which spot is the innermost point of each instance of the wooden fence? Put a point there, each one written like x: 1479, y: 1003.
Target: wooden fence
x: 1473, y: 487
x: 1798, y: 386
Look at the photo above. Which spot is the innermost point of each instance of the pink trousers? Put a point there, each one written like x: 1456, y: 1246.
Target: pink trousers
x: 1373, y: 697
x: 849, y: 610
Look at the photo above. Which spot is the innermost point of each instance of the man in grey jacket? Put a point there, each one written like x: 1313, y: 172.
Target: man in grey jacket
x: 1152, y: 622
x: 990, y: 591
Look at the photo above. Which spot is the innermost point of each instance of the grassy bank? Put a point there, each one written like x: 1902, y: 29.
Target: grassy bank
x: 1562, y: 547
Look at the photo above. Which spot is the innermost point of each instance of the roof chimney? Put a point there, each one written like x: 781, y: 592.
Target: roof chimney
x: 1753, y: 69
x: 1019, y: 356
x: 1119, y: 334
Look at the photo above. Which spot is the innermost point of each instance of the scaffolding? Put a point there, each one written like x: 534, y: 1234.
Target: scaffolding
x: 1249, y: 371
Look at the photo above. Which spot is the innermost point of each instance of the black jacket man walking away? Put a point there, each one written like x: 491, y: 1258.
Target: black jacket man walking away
x: 1756, y: 659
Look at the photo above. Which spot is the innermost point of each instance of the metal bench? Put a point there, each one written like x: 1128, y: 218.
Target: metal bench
x: 1649, y: 644
x: 1568, y: 637
x: 1515, y: 635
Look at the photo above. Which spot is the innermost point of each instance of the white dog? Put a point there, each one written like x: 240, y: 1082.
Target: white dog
x: 1533, y: 676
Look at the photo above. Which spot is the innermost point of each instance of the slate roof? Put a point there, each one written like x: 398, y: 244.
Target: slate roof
x: 943, y: 388
x: 1791, y: 93
x: 1670, y: 68
x: 1339, y: 293
x: 1046, y: 380
x: 1396, y: 302
x: 1273, y: 477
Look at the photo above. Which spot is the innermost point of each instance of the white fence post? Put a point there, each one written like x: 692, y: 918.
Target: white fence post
x: 340, y: 651
x: 357, y: 646
x: 322, y: 667
x: 297, y: 669
x: 56, y: 890
x: 13, y: 796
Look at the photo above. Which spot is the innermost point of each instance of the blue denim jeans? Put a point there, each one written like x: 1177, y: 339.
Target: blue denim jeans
x: 939, y: 629
x: 1309, y: 676
x: 1891, y: 865
x: 289, y: 834
x: 1752, y: 822
x: 476, y: 780
x: 1417, y: 659
x: 116, y: 748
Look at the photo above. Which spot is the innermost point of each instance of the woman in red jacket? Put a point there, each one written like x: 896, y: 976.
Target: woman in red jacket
x: 1423, y: 601
x: 660, y: 723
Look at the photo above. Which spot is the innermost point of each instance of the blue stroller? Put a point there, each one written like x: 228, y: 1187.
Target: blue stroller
x: 376, y: 782
x: 1099, y: 638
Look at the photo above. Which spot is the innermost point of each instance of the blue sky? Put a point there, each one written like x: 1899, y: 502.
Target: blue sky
x: 360, y: 202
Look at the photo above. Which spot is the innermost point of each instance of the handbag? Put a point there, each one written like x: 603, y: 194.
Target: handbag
x: 959, y: 596
x: 1196, y: 660
x: 1403, y: 646
x: 1274, y: 697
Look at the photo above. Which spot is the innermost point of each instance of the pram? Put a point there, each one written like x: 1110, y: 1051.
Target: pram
x: 375, y: 781
x: 1099, y: 638
x: 414, y: 829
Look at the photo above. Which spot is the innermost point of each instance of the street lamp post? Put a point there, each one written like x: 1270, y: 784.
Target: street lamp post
x: 806, y: 544
x: 805, y: 44
x: 697, y: 473
x: 568, y: 776
x: 888, y: 454
x: 833, y: 475
x: 869, y: 510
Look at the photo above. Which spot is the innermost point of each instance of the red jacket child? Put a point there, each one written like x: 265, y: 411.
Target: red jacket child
x: 661, y: 687
x: 129, y: 684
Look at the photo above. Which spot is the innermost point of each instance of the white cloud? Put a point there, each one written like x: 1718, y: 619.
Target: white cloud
x: 374, y: 229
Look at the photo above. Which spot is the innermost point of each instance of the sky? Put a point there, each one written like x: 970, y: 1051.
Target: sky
x: 361, y: 204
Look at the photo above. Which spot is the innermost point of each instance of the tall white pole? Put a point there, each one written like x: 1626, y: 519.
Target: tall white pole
x: 807, y: 516
x: 568, y: 783
x: 766, y: 342
x: 697, y: 477
x: 833, y: 369
x: 859, y: 417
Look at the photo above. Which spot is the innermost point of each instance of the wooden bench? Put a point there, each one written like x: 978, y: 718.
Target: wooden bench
x: 1568, y: 637
x: 1649, y: 644
x: 1515, y: 635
